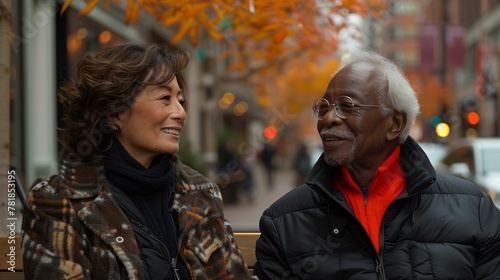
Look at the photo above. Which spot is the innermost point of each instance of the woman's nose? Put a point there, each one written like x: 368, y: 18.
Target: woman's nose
x: 179, y: 112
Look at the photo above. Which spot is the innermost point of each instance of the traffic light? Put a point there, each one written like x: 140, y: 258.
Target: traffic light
x: 270, y: 132
x: 435, y: 120
x: 473, y: 118
x: 443, y: 130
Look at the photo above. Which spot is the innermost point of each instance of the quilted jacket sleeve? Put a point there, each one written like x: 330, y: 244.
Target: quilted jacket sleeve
x: 207, y: 242
x: 270, y: 264
x: 488, y: 261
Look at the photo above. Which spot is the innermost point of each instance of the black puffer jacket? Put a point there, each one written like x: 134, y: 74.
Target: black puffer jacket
x: 155, y: 257
x: 439, y: 227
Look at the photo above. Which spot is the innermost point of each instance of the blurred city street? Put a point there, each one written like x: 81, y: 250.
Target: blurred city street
x: 245, y: 214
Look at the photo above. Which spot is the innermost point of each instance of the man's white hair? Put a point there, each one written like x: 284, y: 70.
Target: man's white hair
x: 394, y: 92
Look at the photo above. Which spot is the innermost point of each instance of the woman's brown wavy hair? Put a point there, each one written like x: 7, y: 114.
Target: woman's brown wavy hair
x: 108, y: 83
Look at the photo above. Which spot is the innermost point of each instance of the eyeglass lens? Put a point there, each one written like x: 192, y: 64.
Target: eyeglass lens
x: 344, y: 106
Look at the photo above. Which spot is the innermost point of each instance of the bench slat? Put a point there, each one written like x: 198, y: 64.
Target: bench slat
x: 12, y: 275
x: 246, y: 242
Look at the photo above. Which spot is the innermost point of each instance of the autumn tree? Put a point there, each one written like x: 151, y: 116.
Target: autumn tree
x: 291, y: 91
x: 258, y: 33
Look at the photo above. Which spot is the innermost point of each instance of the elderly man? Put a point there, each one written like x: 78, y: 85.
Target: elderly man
x: 373, y: 207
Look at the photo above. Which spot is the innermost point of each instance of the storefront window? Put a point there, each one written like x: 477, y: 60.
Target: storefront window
x: 85, y: 36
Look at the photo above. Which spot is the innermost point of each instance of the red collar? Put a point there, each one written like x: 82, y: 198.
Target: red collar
x: 387, y: 184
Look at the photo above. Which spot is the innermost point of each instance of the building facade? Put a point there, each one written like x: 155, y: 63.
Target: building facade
x: 449, y: 49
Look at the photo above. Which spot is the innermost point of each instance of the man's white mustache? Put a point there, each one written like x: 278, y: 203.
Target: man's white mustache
x: 340, y: 133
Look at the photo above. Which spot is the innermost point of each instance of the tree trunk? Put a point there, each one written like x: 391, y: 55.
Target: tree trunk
x: 5, y: 25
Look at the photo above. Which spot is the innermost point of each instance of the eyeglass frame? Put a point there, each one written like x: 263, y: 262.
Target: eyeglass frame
x: 337, y: 107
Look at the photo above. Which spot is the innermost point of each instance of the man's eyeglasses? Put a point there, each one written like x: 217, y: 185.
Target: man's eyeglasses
x: 343, y: 105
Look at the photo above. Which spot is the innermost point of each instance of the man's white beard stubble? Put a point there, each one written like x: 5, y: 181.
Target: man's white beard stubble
x: 335, y: 160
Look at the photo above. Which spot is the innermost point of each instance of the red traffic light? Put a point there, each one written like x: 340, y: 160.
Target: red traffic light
x: 270, y: 132
x: 473, y: 118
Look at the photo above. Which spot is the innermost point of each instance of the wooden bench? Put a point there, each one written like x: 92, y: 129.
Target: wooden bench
x: 11, y: 260
x: 246, y: 241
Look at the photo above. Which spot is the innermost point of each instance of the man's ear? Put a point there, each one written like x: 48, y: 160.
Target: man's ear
x: 397, y: 126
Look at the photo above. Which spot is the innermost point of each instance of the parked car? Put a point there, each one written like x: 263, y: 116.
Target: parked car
x: 476, y: 160
x: 434, y: 151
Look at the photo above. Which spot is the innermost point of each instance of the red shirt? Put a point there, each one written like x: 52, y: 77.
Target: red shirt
x: 387, y: 184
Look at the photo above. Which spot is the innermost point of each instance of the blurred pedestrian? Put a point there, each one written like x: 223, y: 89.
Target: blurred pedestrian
x: 234, y: 173
x: 373, y: 207
x: 301, y: 163
x: 123, y: 206
x: 249, y: 181
x: 268, y: 154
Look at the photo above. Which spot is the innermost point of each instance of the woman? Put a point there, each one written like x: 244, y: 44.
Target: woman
x: 122, y: 205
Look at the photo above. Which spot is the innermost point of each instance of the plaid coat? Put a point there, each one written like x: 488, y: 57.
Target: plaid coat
x: 74, y: 229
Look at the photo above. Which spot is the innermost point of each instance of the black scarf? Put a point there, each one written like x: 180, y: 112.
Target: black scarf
x: 132, y: 177
x: 150, y: 189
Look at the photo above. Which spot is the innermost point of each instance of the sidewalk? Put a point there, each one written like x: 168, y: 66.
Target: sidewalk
x: 245, y: 215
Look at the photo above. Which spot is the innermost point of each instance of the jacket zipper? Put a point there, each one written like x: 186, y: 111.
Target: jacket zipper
x: 172, y: 260
x: 380, y: 262
x: 379, y: 268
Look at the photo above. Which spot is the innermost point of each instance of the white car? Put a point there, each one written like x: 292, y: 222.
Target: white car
x: 477, y: 160
x: 434, y: 151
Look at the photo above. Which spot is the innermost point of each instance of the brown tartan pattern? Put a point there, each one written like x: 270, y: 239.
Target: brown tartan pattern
x: 73, y: 228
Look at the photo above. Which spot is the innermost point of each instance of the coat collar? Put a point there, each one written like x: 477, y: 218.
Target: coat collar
x: 86, y: 185
x: 419, y: 173
x: 81, y: 179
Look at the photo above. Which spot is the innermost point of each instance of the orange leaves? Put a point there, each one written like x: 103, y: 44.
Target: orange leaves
x: 191, y: 17
x: 65, y: 5
x: 89, y: 7
x: 272, y: 26
x: 262, y: 29
x: 280, y: 35
x: 171, y: 18
x: 183, y: 30
x: 132, y: 12
x: 214, y: 33
x: 297, y: 85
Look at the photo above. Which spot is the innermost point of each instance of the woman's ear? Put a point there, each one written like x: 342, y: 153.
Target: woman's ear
x: 115, y: 122
x: 397, y: 126
x: 119, y: 120
x: 112, y: 124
